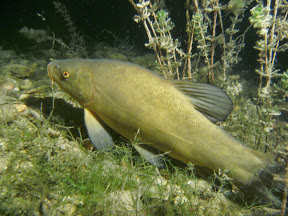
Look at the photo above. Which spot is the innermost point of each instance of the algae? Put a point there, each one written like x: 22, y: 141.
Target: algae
x: 48, y: 166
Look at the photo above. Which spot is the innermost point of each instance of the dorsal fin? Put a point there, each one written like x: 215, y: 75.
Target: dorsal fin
x: 97, y: 131
x: 210, y: 100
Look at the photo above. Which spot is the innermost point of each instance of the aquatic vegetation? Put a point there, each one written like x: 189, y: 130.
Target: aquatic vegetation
x: 76, y: 46
x: 46, y: 170
x: 160, y: 40
x: 281, y: 87
x: 208, y: 36
x: 272, y: 28
x: 202, y: 19
x: 41, y: 36
x: 44, y: 173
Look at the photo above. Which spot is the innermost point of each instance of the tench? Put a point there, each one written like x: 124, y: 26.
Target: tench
x: 175, y: 117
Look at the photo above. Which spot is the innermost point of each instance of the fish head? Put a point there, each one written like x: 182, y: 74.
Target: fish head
x: 74, y: 78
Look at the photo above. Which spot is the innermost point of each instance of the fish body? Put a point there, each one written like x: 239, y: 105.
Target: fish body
x: 130, y: 99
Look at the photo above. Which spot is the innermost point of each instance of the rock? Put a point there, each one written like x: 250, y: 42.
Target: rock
x: 20, y: 71
x: 4, y: 145
x: 8, y: 86
x: 52, y: 206
x: 24, y: 97
x: 52, y: 133
x: 265, y: 211
x: 45, y: 207
x: 126, y: 202
x: 110, y: 167
x: 7, y: 97
x: 9, y: 112
x: 68, y: 209
x: 203, y: 200
x: 26, y: 84
x: 5, y: 160
x: 20, y: 107
x: 200, y: 186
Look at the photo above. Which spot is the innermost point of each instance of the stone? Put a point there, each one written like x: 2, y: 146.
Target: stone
x: 26, y: 84
x: 20, y: 71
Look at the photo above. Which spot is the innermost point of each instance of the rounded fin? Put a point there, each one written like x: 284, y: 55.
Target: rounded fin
x: 150, y: 154
x: 97, y: 132
x: 210, y: 100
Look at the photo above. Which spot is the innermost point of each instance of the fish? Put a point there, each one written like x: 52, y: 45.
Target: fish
x: 172, y: 116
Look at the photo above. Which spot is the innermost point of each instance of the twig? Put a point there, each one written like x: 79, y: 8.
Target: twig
x: 284, y: 201
x: 213, y: 42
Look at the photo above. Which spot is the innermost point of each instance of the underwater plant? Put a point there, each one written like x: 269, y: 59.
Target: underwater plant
x: 212, y: 46
x: 76, y: 46
x: 215, y: 42
x: 272, y: 24
x: 202, y: 20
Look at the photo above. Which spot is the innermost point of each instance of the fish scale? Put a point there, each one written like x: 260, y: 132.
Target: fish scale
x: 131, y: 99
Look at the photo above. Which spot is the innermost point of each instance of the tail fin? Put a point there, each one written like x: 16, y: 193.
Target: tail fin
x: 268, y: 188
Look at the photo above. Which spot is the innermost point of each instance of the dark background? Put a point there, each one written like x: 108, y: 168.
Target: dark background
x: 92, y: 19
x: 95, y: 18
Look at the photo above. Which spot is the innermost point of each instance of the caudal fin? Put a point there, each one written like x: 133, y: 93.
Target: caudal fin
x: 268, y: 188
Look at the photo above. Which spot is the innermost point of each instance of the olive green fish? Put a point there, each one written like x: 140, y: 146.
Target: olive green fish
x: 175, y: 117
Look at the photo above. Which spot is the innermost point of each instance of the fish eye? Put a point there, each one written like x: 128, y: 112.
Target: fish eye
x: 65, y: 74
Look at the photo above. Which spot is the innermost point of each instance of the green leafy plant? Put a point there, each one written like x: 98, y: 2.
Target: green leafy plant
x: 282, y: 87
x: 272, y: 25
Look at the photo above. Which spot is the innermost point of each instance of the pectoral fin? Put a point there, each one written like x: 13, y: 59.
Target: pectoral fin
x: 210, y: 100
x: 97, y: 131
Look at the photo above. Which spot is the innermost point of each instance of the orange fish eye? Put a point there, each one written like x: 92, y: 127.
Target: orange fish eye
x: 65, y: 74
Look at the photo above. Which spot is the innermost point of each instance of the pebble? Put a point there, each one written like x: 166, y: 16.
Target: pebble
x: 45, y: 207
x: 9, y: 84
x: 20, y: 107
x: 68, y: 209
x: 125, y: 201
x: 53, y: 133
x: 26, y: 84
